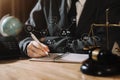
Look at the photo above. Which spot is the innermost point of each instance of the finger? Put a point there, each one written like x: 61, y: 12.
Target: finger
x: 33, y: 49
x: 38, y: 51
x: 42, y: 53
x: 35, y: 44
x: 32, y: 54
x: 46, y: 48
x: 41, y: 46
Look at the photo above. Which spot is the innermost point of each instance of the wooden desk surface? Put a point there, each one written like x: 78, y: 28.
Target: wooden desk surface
x: 30, y: 70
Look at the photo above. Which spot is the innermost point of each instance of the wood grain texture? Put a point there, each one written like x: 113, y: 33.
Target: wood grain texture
x: 31, y: 70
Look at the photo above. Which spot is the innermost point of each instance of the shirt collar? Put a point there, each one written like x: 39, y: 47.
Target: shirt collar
x: 82, y: 2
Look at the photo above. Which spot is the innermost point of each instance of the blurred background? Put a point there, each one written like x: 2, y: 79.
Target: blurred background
x: 17, y: 8
x: 20, y: 9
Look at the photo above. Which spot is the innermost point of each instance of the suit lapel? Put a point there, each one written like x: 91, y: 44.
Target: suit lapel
x: 88, y: 10
x: 87, y: 17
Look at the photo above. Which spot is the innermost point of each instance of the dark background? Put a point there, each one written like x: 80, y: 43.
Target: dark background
x: 17, y: 8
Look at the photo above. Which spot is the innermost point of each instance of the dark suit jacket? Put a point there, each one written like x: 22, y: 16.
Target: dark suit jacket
x: 43, y: 16
x: 95, y: 12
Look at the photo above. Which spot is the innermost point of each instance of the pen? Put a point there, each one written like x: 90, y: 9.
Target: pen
x: 35, y: 38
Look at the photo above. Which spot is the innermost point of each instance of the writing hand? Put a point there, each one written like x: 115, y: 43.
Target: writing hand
x: 34, y: 49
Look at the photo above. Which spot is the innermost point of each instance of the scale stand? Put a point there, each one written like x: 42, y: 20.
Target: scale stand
x: 102, y: 62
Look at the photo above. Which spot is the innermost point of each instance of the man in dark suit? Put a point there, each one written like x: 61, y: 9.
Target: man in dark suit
x: 51, y: 17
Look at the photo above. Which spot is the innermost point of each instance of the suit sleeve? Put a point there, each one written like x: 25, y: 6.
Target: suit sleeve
x: 26, y: 39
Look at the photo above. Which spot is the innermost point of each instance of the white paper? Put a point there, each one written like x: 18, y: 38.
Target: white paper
x: 63, y: 57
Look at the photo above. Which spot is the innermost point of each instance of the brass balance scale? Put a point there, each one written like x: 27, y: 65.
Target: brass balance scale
x: 102, y: 62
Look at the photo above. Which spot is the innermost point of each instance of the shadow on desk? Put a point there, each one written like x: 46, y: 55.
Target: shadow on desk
x: 12, y: 60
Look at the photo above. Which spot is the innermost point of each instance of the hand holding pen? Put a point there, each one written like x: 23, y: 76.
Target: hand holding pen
x: 36, y: 48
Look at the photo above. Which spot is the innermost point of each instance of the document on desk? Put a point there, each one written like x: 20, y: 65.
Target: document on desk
x: 63, y: 58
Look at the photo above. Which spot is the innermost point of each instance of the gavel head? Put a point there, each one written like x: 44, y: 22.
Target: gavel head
x: 102, y: 56
x: 101, y: 63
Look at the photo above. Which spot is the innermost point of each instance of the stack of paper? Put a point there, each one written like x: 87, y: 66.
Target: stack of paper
x: 63, y: 57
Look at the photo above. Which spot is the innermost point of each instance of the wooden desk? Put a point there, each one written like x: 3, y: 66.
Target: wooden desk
x: 30, y: 70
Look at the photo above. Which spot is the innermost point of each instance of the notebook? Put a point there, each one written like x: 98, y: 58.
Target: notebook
x: 63, y: 58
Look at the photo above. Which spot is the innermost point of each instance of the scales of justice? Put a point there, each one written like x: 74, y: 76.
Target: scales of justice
x: 102, y: 62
